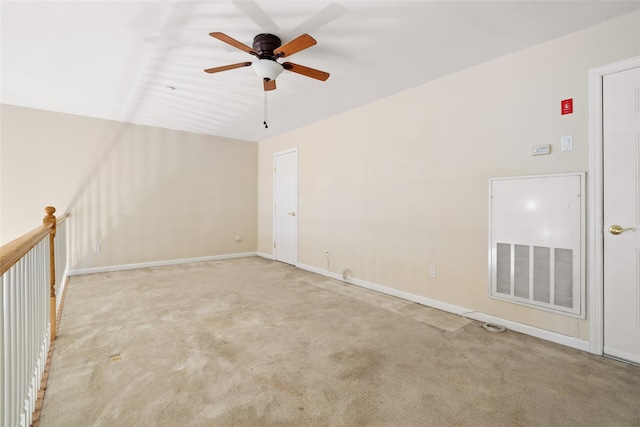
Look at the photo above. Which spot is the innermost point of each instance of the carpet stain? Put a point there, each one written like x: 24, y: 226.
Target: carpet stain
x: 281, y: 385
x: 363, y: 411
x: 358, y: 364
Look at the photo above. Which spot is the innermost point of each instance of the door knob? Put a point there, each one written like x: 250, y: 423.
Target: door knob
x: 616, y: 229
x: 292, y: 213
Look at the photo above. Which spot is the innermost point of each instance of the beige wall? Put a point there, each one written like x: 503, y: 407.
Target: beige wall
x: 143, y: 194
x: 401, y: 184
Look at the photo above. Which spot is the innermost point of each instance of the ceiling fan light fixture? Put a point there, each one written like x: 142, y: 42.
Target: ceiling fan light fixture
x: 267, y: 68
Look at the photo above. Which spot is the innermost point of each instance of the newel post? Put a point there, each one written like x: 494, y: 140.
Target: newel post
x: 50, y: 218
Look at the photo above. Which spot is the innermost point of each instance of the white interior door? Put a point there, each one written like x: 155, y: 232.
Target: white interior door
x: 285, y: 216
x: 621, y: 133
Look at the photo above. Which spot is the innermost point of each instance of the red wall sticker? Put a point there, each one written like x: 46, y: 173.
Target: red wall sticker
x: 566, y: 106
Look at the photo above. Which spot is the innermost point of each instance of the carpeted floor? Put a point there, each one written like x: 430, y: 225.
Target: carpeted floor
x: 251, y: 342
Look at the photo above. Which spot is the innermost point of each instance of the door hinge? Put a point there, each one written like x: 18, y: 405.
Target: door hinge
x: 274, y: 245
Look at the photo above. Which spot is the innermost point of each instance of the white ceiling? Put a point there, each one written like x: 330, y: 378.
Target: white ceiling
x: 114, y: 59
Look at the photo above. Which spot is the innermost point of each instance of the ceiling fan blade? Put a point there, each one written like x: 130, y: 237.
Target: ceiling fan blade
x: 326, y: 15
x: 227, y: 67
x: 296, y: 45
x: 257, y: 15
x: 269, y: 84
x: 306, y: 71
x: 233, y: 42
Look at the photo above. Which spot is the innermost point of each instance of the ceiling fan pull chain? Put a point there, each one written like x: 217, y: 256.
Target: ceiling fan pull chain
x: 265, y: 110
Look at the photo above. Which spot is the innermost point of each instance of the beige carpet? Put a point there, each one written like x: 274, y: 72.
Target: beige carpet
x: 251, y: 342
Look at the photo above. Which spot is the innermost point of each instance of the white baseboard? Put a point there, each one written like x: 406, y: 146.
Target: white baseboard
x: 266, y: 255
x: 555, y: 337
x: 622, y: 356
x: 157, y: 263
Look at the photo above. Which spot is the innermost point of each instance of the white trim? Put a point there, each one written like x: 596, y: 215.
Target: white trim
x: 596, y: 204
x: 265, y: 255
x: 121, y: 267
x: 622, y: 356
x: 557, y: 338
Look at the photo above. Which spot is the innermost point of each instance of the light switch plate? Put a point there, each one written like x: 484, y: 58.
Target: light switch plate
x: 566, y: 143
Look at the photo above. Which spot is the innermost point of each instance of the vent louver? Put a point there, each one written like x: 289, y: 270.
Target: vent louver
x: 541, y: 278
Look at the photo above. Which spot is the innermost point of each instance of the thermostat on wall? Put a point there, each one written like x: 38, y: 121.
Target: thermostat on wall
x: 539, y: 150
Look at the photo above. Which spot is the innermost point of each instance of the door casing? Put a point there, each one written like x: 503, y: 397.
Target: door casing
x: 275, y: 189
x: 596, y: 201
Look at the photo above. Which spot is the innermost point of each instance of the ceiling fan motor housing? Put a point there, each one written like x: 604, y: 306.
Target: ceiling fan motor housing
x: 268, y: 49
x: 265, y: 44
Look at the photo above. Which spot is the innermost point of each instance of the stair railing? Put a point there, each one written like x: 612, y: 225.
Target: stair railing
x: 28, y: 266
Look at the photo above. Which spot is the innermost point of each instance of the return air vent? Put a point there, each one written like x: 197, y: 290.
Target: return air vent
x: 537, y: 241
x: 534, y: 269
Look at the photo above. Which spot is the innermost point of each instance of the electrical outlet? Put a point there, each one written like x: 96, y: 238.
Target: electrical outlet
x: 432, y: 272
x: 238, y: 238
x: 97, y: 248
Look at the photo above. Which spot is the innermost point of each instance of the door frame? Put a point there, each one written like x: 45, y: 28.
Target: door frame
x: 595, y: 237
x: 273, y: 197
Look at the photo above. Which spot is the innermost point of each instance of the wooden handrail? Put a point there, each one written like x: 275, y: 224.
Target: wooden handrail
x: 11, y: 252
x: 16, y: 249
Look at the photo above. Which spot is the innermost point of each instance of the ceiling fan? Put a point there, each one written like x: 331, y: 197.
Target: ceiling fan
x: 268, y: 48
